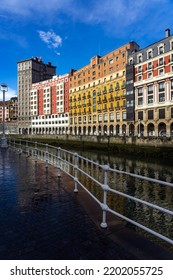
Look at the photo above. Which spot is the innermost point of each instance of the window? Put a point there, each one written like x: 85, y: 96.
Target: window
x: 150, y: 54
x: 100, y: 118
x: 118, y: 116
x: 171, y: 45
x: 124, y: 116
x: 111, y: 117
x: 161, y: 92
x: 105, y: 117
x: 89, y: 119
x: 161, y: 72
x: 160, y: 49
x: 150, y: 75
x: 139, y: 69
x: 150, y: 65
x: 171, y: 113
x: 140, y: 115
x: 140, y: 91
x: 140, y: 101
x: 161, y: 61
x: 161, y: 113
x: 171, y: 89
x: 131, y: 61
x: 150, y: 114
x: 150, y: 94
x: 140, y: 58
x: 111, y: 61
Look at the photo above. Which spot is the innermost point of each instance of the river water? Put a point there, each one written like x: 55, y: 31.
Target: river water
x: 150, y: 192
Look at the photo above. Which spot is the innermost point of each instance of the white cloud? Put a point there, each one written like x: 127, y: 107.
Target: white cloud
x: 10, y: 93
x: 52, y: 40
x: 103, y: 11
x: 34, y: 7
x: 114, y: 16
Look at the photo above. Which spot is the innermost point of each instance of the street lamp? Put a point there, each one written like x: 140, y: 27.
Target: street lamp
x: 4, y: 144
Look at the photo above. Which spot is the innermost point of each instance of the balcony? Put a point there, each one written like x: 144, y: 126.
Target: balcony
x: 104, y: 100
x: 117, y: 97
x: 99, y: 101
x: 111, y: 98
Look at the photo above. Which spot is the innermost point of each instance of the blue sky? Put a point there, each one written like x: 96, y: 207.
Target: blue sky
x: 69, y: 32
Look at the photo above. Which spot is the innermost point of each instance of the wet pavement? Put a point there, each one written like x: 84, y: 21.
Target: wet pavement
x: 41, y: 219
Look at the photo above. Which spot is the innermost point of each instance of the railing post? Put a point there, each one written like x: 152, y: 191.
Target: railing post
x: 46, y: 156
x: 59, y: 162
x: 27, y: 149
x: 35, y: 152
x: 75, y: 172
x: 105, y: 189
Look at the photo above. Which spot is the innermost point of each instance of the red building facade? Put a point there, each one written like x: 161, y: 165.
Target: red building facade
x: 49, y: 106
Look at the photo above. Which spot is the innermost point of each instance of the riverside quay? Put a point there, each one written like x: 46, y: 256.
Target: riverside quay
x: 47, y: 211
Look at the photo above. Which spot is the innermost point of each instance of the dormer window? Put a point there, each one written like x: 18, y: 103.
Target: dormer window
x: 160, y: 49
x: 171, y: 45
x: 150, y: 54
x: 131, y: 61
x: 139, y: 58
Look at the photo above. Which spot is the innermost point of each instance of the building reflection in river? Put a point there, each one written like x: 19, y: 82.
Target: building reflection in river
x: 150, y: 192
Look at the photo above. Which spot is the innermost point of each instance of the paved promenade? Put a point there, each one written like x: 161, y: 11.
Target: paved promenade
x: 41, y: 218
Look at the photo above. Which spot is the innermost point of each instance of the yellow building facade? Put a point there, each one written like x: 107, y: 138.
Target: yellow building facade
x: 97, y: 94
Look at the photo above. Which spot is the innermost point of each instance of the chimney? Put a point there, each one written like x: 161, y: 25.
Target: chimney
x: 167, y: 32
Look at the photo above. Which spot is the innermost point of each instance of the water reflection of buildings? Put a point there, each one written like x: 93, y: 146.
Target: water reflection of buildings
x: 150, y: 192
x: 37, y: 190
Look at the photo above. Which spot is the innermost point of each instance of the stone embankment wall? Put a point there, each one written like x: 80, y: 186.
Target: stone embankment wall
x: 154, y: 142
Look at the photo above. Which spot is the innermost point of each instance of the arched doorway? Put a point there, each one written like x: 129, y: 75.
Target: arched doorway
x: 100, y: 130
x: 94, y: 130
x: 171, y: 129
x: 124, y: 129
x: 150, y: 129
x: 131, y: 129
x: 111, y: 130
x: 162, y: 129
x: 117, y: 129
x: 105, y: 130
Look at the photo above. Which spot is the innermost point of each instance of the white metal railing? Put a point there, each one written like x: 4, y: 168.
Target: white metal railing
x: 87, y: 174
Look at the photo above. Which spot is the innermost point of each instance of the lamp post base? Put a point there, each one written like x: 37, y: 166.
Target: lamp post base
x: 4, y: 142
